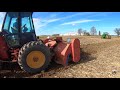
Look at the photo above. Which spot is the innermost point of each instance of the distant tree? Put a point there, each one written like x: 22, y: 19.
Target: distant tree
x: 84, y: 32
x: 117, y: 31
x: 79, y: 31
x: 93, y: 31
x: 56, y: 35
x: 99, y: 33
x: 87, y: 33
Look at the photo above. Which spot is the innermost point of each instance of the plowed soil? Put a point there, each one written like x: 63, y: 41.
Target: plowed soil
x: 100, y: 58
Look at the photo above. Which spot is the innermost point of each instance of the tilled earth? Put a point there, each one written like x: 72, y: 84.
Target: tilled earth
x: 100, y: 58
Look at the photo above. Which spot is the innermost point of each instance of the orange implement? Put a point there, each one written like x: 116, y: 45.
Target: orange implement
x: 64, y: 50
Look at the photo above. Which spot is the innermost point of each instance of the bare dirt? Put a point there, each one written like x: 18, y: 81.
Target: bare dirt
x: 100, y: 58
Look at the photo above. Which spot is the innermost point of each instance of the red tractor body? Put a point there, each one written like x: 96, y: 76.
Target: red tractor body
x: 20, y: 45
x: 3, y: 49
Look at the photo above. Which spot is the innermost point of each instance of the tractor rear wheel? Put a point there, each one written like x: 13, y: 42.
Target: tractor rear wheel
x: 34, y: 57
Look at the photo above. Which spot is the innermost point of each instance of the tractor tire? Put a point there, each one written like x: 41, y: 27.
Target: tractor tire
x: 34, y: 57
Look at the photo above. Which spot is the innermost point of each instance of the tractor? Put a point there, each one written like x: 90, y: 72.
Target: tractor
x: 106, y: 35
x: 19, y: 44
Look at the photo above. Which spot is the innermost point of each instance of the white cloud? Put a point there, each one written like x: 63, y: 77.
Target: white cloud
x: 52, y: 20
x: 0, y: 26
x: 38, y: 24
x: 53, y: 15
x: 103, y: 14
x: 41, y: 22
x: 77, y: 14
x: 87, y: 15
x: 73, y: 24
x: 78, y: 21
x: 2, y: 15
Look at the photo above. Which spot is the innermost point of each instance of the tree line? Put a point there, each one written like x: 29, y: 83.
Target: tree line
x: 93, y: 31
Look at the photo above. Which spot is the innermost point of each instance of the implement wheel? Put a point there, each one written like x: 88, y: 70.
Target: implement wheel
x: 34, y: 57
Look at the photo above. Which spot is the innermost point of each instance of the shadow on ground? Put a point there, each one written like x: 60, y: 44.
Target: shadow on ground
x: 12, y: 70
x: 86, y: 57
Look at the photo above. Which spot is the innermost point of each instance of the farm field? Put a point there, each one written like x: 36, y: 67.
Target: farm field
x: 100, y: 58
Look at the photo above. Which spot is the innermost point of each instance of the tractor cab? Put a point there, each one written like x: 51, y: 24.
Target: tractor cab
x: 18, y: 43
x: 18, y: 29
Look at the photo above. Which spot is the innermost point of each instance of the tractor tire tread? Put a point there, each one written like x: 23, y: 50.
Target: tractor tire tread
x: 26, y: 47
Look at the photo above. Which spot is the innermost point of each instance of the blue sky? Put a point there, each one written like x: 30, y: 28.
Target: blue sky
x: 48, y: 23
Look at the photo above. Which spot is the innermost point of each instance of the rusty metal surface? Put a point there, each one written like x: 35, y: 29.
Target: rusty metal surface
x: 3, y: 49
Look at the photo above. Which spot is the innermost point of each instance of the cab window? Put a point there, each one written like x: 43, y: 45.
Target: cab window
x: 10, y: 25
x: 26, y: 23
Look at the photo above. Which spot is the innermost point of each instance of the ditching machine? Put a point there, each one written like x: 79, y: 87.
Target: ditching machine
x: 19, y: 43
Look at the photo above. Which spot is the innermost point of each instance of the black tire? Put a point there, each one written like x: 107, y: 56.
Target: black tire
x: 29, y: 47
